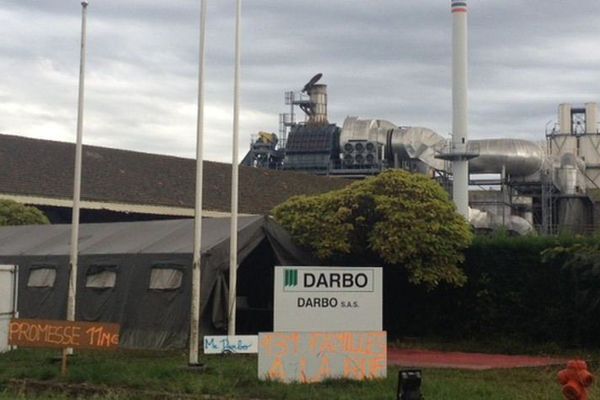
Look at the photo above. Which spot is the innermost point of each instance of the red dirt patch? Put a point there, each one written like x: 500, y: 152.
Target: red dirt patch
x: 472, y: 361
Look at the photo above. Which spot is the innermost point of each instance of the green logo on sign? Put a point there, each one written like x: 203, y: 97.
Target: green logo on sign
x: 290, y: 278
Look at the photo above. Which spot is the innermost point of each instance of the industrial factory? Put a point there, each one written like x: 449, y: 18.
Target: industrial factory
x: 520, y: 184
x: 547, y: 187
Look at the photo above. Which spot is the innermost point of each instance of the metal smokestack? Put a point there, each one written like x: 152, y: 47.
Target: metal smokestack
x: 460, y: 163
x: 318, y: 98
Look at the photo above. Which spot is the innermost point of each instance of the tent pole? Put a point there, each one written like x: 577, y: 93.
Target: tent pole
x: 233, y: 262
x: 196, y: 272
x: 74, y: 251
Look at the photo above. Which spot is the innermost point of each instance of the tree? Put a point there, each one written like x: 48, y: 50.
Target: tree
x: 395, y: 218
x: 13, y: 213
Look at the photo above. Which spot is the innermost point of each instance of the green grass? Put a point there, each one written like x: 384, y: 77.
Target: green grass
x: 131, y: 375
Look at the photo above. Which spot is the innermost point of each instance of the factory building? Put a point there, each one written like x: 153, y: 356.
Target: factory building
x: 548, y: 187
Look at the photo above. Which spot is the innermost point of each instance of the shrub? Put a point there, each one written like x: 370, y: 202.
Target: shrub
x: 13, y: 213
x: 525, y: 288
x: 396, y: 218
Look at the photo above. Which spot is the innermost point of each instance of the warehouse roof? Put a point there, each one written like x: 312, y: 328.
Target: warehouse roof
x: 40, y: 172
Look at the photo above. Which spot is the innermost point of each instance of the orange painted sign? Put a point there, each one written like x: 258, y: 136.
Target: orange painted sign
x: 82, y: 335
x: 314, y: 356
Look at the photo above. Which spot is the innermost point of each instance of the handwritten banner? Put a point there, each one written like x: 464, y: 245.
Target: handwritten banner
x: 245, y: 344
x: 314, y: 356
x: 42, y: 333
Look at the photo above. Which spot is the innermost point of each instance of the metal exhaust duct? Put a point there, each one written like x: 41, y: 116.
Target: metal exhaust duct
x: 564, y: 119
x: 318, y: 97
x: 460, y: 163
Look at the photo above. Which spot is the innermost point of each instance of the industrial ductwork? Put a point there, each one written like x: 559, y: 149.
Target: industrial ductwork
x: 517, y: 157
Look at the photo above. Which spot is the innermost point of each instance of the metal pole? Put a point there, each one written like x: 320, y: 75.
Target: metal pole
x: 196, y: 272
x: 233, y: 263
x: 77, y: 176
x: 16, y: 293
x: 15, y: 301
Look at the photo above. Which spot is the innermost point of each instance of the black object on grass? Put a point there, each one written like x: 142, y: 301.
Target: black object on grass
x: 409, y: 385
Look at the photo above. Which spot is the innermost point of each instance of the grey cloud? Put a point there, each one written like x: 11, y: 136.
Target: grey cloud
x: 385, y: 59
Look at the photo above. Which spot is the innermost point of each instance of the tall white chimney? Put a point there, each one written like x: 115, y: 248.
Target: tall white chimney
x: 460, y: 164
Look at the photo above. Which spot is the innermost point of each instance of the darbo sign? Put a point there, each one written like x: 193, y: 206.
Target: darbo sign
x: 313, y: 357
x: 41, y: 333
x: 231, y: 344
x: 326, y: 299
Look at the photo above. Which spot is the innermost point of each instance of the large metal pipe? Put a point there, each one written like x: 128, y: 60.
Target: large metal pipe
x: 374, y: 130
x: 518, y: 157
x: 415, y: 143
x: 460, y: 165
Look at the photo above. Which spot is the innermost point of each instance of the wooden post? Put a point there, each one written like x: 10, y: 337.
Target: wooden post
x: 63, y: 365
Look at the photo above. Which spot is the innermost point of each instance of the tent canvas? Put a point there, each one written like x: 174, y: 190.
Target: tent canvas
x: 138, y: 274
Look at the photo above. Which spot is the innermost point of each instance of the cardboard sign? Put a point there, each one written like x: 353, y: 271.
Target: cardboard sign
x: 41, y: 333
x: 313, y: 357
x: 231, y: 344
x: 327, y: 299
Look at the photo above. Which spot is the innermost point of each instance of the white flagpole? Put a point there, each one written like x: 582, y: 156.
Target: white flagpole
x: 196, y: 273
x: 77, y: 178
x: 233, y: 263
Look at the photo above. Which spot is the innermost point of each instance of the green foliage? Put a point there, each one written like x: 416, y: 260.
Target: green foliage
x: 396, y: 218
x: 581, y: 263
x: 519, y: 289
x: 13, y: 213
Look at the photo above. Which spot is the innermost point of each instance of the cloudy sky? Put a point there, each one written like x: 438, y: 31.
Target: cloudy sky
x: 386, y: 59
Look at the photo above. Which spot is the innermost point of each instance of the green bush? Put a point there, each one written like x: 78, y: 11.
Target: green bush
x: 13, y: 213
x: 525, y: 288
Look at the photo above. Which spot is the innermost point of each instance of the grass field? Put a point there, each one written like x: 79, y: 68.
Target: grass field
x: 141, y: 375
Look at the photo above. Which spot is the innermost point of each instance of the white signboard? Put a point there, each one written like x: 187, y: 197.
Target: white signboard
x: 316, y: 356
x: 327, y: 299
x: 7, y: 302
x: 231, y: 344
